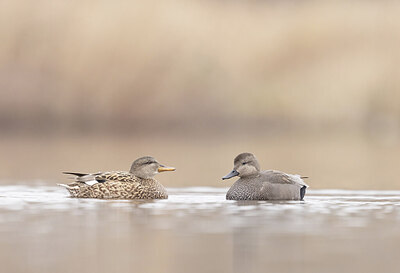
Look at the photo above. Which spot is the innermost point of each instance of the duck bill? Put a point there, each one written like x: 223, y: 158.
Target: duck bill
x: 233, y: 173
x: 163, y: 168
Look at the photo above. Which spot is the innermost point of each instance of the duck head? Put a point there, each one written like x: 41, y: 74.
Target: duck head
x: 244, y: 165
x: 147, y: 167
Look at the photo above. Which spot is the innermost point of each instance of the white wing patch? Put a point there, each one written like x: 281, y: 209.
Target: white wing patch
x: 91, y: 182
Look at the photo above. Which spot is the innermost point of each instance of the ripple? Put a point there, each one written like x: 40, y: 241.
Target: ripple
x: 325, y: 209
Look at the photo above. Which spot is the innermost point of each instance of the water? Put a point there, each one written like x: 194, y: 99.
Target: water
x: 197, y: 230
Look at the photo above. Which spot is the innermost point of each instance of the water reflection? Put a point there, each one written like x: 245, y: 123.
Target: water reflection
x: 197, y: 228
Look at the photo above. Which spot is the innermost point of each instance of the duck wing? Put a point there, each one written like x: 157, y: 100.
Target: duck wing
x: 281, y: 186
x: 101, y: 177
x: 277, y: 177
x: 121, y: 185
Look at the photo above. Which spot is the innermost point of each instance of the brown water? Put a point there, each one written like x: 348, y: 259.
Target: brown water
x: 197, y: 230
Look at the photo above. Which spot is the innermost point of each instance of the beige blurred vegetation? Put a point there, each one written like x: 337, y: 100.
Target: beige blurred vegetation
x: 127, y: 64
x: 219, y: 69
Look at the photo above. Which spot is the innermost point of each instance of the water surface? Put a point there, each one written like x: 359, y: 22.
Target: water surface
x: 197, y: 230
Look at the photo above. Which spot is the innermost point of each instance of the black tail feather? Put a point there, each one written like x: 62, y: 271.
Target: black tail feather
x: 303, y: 192
x: 77, y: 174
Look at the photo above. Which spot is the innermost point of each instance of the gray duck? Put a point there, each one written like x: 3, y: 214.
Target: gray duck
x: 255, y: 184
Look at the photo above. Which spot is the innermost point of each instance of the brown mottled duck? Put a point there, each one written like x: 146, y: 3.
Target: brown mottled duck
x: 138, y: 183
x: 263, y: 185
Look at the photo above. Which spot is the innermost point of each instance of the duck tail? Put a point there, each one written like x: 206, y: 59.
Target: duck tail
x: 304, y: 177
x: 67, y: 186
x: 302, y: 192
x: 76, y: 174
x: 73, y: 190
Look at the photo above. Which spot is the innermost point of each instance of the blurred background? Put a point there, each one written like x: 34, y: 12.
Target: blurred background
x: 310, y: 87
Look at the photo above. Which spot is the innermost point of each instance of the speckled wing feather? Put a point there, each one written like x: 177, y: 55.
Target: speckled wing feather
x: 115, y: 176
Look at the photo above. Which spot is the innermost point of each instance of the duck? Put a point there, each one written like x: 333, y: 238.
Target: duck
x: 138, y: 183
x: 254, y: 184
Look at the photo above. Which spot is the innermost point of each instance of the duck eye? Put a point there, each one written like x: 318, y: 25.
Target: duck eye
x: 244, y: 163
